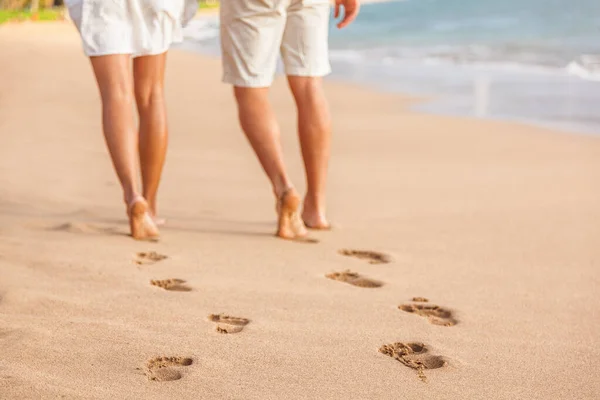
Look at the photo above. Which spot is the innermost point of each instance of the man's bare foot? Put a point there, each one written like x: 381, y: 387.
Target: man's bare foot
x: 314, y: 219
x: 290, y: 225
x: 140, y: 222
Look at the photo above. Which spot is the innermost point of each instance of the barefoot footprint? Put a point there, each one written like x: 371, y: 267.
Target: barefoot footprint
x: 435, y: 314
x: 372, y: 256
x: 84, y: 228
x: 354, y: 279
x: 150, y: 257
x: 175, y: 285
x: 413, y: 355
x: 163, y: 369
x: 228, y: 324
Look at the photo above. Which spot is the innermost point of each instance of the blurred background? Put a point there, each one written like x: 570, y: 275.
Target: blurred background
x: 533, y: 61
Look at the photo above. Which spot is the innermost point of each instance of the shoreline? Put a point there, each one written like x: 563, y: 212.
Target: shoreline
x: 491, y: 93
x: 494, y: 221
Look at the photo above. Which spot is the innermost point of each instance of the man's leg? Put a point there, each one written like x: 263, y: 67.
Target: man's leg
x: 305, y: 54
x: 314, y: 130
x: 260, y: 126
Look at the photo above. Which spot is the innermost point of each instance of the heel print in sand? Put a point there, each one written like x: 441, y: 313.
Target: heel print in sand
x: 163, y: 369
x: 413, y: 355
x: 435, y: 314
x: 372, y: 257
x: 354, y: 279
x: 228, y: 324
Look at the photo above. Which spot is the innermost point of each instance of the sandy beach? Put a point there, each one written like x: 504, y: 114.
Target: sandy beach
x: 496, y: 223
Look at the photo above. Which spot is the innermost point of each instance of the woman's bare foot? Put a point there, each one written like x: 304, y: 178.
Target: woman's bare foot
x: 153, y: 213
x: 158, y: 221
x: 290, y: 225
x: 141, y: 223
x: 313, y: 218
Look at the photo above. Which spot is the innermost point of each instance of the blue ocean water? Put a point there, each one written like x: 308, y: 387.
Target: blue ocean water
x: 535, y: 61
x: 547, y: 33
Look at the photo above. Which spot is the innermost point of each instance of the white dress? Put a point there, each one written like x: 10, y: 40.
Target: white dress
x: 136, y: 27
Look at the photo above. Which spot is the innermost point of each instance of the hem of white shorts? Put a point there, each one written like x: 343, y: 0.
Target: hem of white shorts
x: 249, y: 83
x: 316, y: 73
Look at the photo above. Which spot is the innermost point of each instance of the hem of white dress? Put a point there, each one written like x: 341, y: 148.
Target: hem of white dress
x: 128, y: 53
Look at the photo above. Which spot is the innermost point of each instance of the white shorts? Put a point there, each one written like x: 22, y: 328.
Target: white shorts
x: 136, y: 27
x: 255, y: 32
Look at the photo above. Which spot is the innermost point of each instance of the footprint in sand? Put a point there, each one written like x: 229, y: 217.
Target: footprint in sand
x: 228, y: 324
x: 83, y: 228
x: 163, y: 369
x: 435, y: 314
x: 413, y: 355
x: 174, y: 285
x: 150, y: 257
x: 354, y: 279
x: 372, y: 257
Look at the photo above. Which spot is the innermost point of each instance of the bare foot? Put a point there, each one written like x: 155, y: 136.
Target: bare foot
x: 141, y: 224
x: 152, y: 211
x: 290, y: 225
x: 314, y: 219
x: 158, y: 221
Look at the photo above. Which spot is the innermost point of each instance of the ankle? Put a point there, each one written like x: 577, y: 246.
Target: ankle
x: 314, y: 202
x: 152, y: 206
x: 131, y: 197
x: 282, y: 187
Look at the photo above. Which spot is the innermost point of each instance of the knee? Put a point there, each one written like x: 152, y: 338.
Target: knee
x: 308, y: 92
x: 119, y: 93
x: 149, y: 96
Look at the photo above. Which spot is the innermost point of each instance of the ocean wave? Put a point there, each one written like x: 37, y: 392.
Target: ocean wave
x: 504, y: 59
x: 202, y: 29
x: 585, y: 67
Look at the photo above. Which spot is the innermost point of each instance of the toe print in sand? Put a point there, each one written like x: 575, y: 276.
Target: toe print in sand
x: 354, y: 279
x: 435, y: 314
x: 166, y: 368
x: 413, y: 355
x: 420, y: 300
x: 173, y: 285
x: 228, y: 324
x: 149, y: 257
x: 372, y: 257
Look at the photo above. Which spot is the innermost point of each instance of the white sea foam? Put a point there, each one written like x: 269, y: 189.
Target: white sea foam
x: 586, y: 67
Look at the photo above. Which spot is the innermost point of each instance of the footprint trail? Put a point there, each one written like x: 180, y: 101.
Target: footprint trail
x: 435, y: 314
x: 372, y: 257
x: 174, y: 285
x: 354, y: 279
x: 414, y: 355
x: 164, y: 369
x: 150, y: 257
x: 228, y: 324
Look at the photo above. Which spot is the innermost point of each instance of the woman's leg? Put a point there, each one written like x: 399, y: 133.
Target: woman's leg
x: 116, y: 90
x: 148, y: 76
